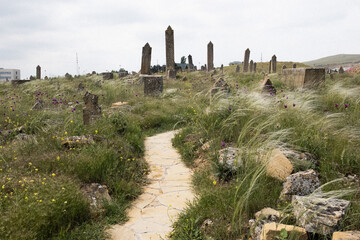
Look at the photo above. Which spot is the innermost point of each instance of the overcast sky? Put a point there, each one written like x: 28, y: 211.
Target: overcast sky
x: 108, y: 34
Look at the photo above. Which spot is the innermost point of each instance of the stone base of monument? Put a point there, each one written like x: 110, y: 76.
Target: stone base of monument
x: 171, y: 74
x: 153, y: 84
x: 303, y: 77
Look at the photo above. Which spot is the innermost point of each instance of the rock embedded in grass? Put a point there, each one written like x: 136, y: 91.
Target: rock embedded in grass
x: 300, y: 183
x: 349, y: 235
x: 96, y: 193
x: 319, y: 215
x: 228, y: 158
x: 278, y: 166
x: 271, y: 231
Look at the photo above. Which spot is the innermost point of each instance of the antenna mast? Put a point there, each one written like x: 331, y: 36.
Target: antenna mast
x: 77, y: 65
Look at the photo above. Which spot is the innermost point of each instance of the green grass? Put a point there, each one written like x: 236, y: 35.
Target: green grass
x: 40, y: 168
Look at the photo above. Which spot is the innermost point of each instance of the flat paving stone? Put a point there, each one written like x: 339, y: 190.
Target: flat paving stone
x: 168, y: 193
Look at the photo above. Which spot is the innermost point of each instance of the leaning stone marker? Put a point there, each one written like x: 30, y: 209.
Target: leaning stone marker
x: 319, y: 215
x: 251, y: 66
x: 303, y: 77
x: 246, y: 60
x: 146, y: 59
x: 38, y: 72
x: 270, y: 66
x: 92, y: 111
x: 153, y: 84
x: 210, y: 56
x: 170, y: 55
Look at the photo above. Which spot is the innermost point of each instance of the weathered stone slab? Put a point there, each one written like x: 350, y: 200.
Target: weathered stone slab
x: 246, y: 60
x: 108, y: 75
x: 349, y: 235
x: 273, y: 64
x: 271, y: 231
x: 319, y: 215
x: 170, y: 51
x: 300, y: 183
x: 153, y: 84
x: 146, y: 59
x: 251, y: 66
x: 210, y: 56
x: 303, y: 77
x: 92, y: 111
x: 191, y: 64
x: 38, y: 72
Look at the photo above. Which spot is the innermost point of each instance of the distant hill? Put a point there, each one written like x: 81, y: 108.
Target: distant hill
x: 340, y: 59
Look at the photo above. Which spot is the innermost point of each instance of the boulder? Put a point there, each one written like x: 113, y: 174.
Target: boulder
x: 264, y: 216
x: 273, y: 230
x: 319, y: 215
x: 350, y: 235
x: 81, y: 87
x: 300, y: 183
x: 184, y: 79
x: 278, y: 166
x: 206, y: 224
x: 96, y: 193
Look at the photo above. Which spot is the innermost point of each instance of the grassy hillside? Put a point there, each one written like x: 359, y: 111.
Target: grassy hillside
x: 335, y: 60
x: 41, y: 179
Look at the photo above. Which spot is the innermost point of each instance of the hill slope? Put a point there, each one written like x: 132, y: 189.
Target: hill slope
x: 335, y: 60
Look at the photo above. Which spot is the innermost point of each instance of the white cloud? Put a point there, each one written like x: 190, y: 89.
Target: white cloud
x: 109, y: 33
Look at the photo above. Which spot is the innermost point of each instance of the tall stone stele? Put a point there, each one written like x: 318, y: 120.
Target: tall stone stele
x: 251, y: 66
x: 146, y: 59
x: 191, y: 65
x: 210, y: 56
x: 273, y: 64
x: 38, y: 72
x: 170, y: 52
x: 254, y: 67
x: 246, y: 60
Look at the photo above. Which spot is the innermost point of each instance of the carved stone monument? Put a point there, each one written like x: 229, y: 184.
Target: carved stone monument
x: 146, y: 59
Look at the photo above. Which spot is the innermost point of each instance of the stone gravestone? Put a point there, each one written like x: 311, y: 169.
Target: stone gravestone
x: 146, y: 59
x: 191, y: 65
x: 254, y: 67
x: 38, y: 72
x: 273, y: 64
x: 303, y: 77
x: 80, y: 87
x: 153, y: 84
x: 341, y: 70
x: 68, y: 76
x: 246, y: 60
x: 294, y: 65
x: 108, y: 75
x: 222, y: 68
x: 92, y: 111
x: 251, y: 66
x: 210, y: 56
x: 270, y: 66
x: 237, y: 68
x: 284, y: 67
x: 170, y: 49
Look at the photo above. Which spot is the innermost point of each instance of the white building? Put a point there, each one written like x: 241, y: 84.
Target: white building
x: 9, y: 74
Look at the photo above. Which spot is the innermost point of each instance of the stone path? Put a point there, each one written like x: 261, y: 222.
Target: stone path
x: 163, y: 199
